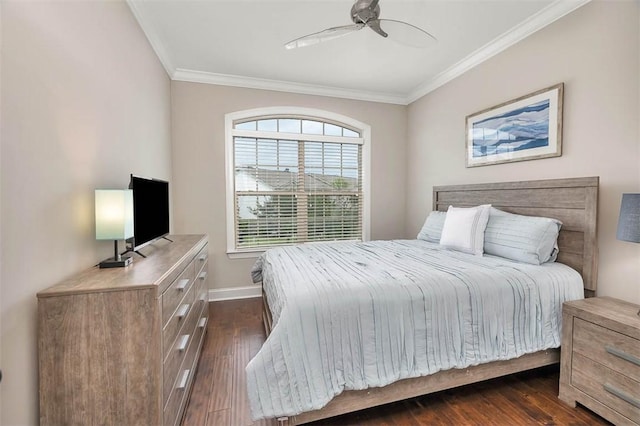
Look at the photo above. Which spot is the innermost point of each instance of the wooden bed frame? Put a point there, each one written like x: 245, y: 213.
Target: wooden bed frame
x: 573, y: 201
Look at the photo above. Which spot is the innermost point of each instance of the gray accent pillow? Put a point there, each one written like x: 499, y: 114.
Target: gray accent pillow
x: 432, y: 228
x: 527, y: 239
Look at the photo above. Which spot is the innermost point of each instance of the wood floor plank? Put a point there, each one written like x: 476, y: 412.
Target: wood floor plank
x: 561, y: 414
x: 222, y: 380
x: 200, y: 395
x: 235, y: 334
x: 240, y: 414
x: 219, y: 418
x: 500, y: 408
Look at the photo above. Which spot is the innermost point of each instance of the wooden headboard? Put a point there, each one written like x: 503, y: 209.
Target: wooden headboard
x: 573, y: 201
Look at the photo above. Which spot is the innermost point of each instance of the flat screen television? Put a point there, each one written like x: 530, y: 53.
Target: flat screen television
x: 150, y: 210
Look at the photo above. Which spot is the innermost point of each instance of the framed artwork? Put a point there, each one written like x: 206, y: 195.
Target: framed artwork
x: 526, y: 128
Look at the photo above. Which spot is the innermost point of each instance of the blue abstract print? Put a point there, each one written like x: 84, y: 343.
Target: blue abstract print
x: 517, y: 130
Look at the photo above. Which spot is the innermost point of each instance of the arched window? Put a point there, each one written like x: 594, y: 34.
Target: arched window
x: 295, y: 175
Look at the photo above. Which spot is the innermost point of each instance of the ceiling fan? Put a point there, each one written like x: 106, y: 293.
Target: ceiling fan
x: 365, y: 13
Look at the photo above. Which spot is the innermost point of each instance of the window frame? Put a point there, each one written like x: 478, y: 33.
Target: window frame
x: 291, y: 112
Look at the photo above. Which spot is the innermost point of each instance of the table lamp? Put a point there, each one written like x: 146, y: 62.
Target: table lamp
x: 629, y: 220
x: 114, y: 221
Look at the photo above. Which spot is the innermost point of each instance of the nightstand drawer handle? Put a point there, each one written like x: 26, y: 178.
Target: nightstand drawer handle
x: 620, y: 354
x: 202, y: 323
x: 202, y: 276
x: 622, y: 395
x: 182, y: 284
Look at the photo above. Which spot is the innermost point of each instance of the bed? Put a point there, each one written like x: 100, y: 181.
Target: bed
x: 572, y: 201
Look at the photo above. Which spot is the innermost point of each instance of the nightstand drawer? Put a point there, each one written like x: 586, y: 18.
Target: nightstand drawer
x: 612, y: 389
x: 612, y: 349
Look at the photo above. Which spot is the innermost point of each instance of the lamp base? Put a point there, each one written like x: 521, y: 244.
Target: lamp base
x: 116, y: 263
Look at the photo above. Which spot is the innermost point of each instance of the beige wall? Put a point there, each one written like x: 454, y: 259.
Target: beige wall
x: 199, y: 170
x: 595, y: 52
x: 85, y: 102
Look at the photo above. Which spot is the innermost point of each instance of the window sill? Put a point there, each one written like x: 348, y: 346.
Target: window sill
x: 244, y: 254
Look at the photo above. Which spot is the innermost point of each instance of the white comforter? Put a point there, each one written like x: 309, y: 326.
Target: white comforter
x: 358, y: 315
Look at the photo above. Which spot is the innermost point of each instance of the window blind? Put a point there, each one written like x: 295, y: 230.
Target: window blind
x: 296, y: 181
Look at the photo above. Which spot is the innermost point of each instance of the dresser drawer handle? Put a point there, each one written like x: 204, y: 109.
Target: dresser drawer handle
x: 621, y: 354
x: 202, y: 323
x: 202, y: 258
x: 183, y: 380
x: 182, y: 284
x: 184, y: 341
x: 203, y: 296
x: 202, y: 276
x: 183, y: 310
x: 622, y: 395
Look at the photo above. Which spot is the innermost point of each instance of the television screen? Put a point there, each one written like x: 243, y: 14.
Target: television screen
x: 150, y: 210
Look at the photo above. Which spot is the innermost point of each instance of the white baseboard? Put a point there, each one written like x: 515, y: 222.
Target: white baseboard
x: 233, y: 293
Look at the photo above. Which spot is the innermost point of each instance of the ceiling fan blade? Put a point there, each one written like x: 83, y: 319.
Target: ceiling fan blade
x: 404, y: 33
x: 321, y: 36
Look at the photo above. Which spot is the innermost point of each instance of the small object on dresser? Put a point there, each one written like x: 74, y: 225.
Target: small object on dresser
x: 600, y: 358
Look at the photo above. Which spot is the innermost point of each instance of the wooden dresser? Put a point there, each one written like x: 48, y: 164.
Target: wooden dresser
x: 120, y: 346
x: 600, y: 358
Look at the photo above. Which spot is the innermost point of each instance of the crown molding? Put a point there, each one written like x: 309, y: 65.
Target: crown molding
x: 546, y: 16
x: 536, y: 22
x: 284, y: 86
x: 153, y: 38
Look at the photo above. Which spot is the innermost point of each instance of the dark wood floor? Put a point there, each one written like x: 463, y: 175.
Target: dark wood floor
x: 235, y: 334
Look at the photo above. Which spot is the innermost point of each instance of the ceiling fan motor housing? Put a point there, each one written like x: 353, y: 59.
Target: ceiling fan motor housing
x: 364, y: 11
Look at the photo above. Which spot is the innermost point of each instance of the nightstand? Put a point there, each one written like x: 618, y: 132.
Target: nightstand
x: 600, y: 358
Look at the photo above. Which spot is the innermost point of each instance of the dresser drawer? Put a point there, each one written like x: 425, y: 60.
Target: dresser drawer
x: 202, y: 283
x: 204, y: 316
x: 172, y: 297
x: 177, y: 321
x: 177, y: 395
x: 201, y: 259
x: 612, y: 389
x: 612, y: 349
x: 180, y: 387
x: 178, y: 351
x: 194, y: 347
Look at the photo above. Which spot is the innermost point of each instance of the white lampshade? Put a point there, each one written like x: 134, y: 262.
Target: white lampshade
x: 114, y: 214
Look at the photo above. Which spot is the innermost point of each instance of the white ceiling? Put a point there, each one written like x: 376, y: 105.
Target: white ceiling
x: 240, y: 43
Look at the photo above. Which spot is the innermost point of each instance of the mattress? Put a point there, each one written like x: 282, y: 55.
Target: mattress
x: 354, y: 315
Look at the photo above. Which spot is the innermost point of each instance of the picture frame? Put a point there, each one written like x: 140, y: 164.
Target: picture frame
x: 526, y: 128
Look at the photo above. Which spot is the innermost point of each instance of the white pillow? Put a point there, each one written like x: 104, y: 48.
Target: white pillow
x: 463, y: 229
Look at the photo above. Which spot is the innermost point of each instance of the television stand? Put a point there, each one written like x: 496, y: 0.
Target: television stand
x: 130, y: 248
